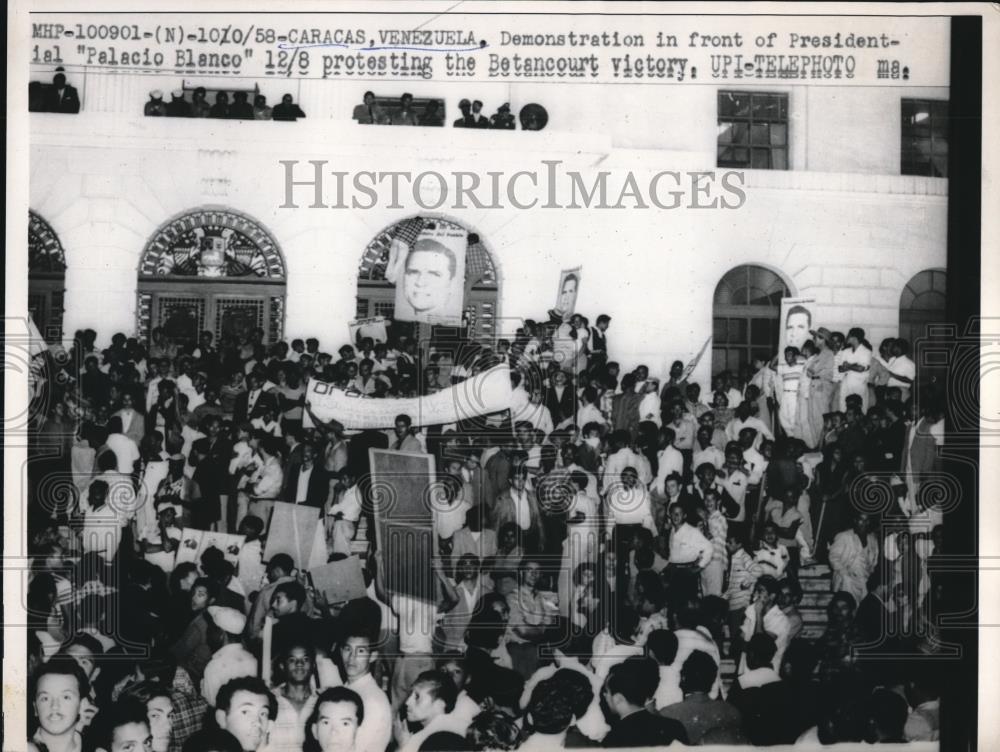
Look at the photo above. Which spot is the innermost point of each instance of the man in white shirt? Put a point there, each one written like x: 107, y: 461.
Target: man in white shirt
x: 296, y: 697
x: 133, y: 424
x: 403, y: 439
x: 902, y: 370
x: 620, y: 456
x: 628, y: 503
x: 429, y: 703
x: 855, y: 367
x: 706, y: 452
x: 670, y: 460
x: 753, y: 461
x: 357, y: 654
x: 267, y: 480
x: 689, y: 549
x: 159, y: 541
x: 538, y: 414
x: 125, y: 449
x: 744, y: 418
x: 764, y: 615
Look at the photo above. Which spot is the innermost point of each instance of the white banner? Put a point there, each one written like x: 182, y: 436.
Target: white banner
x: 485, y: 393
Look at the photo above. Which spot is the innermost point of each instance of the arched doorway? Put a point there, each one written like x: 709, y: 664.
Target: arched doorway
x: 746, y: 313
x: 46, y: 278
x: 376, y: 295
x: 211, y: 270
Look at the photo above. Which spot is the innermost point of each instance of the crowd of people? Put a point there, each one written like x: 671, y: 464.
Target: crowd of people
x: 405, y: 111
x: 606, y: 546
x: 238, y: 107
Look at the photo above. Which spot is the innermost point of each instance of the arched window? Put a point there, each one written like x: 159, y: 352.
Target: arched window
x: 46, y: 278
x: 921, y: 304
x: 746, y: 312
x: 376, y: 295
x: 214, y: 270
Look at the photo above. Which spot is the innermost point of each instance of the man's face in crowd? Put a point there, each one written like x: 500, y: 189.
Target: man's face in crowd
x: 298, y: 665
x: 159, y: 710
x: 132, y: 737
x: 531, y: 572
x: 356, y: 654
x: 465, y: 569
x: 785, y: 597
x: 630, y: 478
x: 247, y: 719
x: 167, y: 515
x: 281, y: 606
x: 672, y: 487
x: 199, y: 598
x: 676, y: 516
x: 57, y: 703
x: 763, y: 595
x: 336, y: 726
x: 770, y: 535
x: 422, y: 705
x: 704, y: 436
x: 796, y: 329
x: 401, y: 428
x: 84, y: 658
x: 427, y: 280
x: 457, y: 673
x: 308, y: 455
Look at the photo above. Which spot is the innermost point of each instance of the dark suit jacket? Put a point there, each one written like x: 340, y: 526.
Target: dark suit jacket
x: 561, y: 408
x: 318, y: 490
x: 765, y: 711
x: 625, y: 412
x: 240, y: 413
x: 645, y: 729
x: 69, y: 102
x: 214, y: 464
x: 533, y: 539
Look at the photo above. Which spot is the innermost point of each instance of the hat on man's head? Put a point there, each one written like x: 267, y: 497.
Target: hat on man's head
x: 822, y: 332
x: 464, y: 103
x: 228, y: 619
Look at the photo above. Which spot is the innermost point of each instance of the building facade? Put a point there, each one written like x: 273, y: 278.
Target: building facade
x: 834, y: 210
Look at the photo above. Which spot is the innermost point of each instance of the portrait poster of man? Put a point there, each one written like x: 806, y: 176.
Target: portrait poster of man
x: 431, y: 283
x: 797, y: 319
x: 569, y: 286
